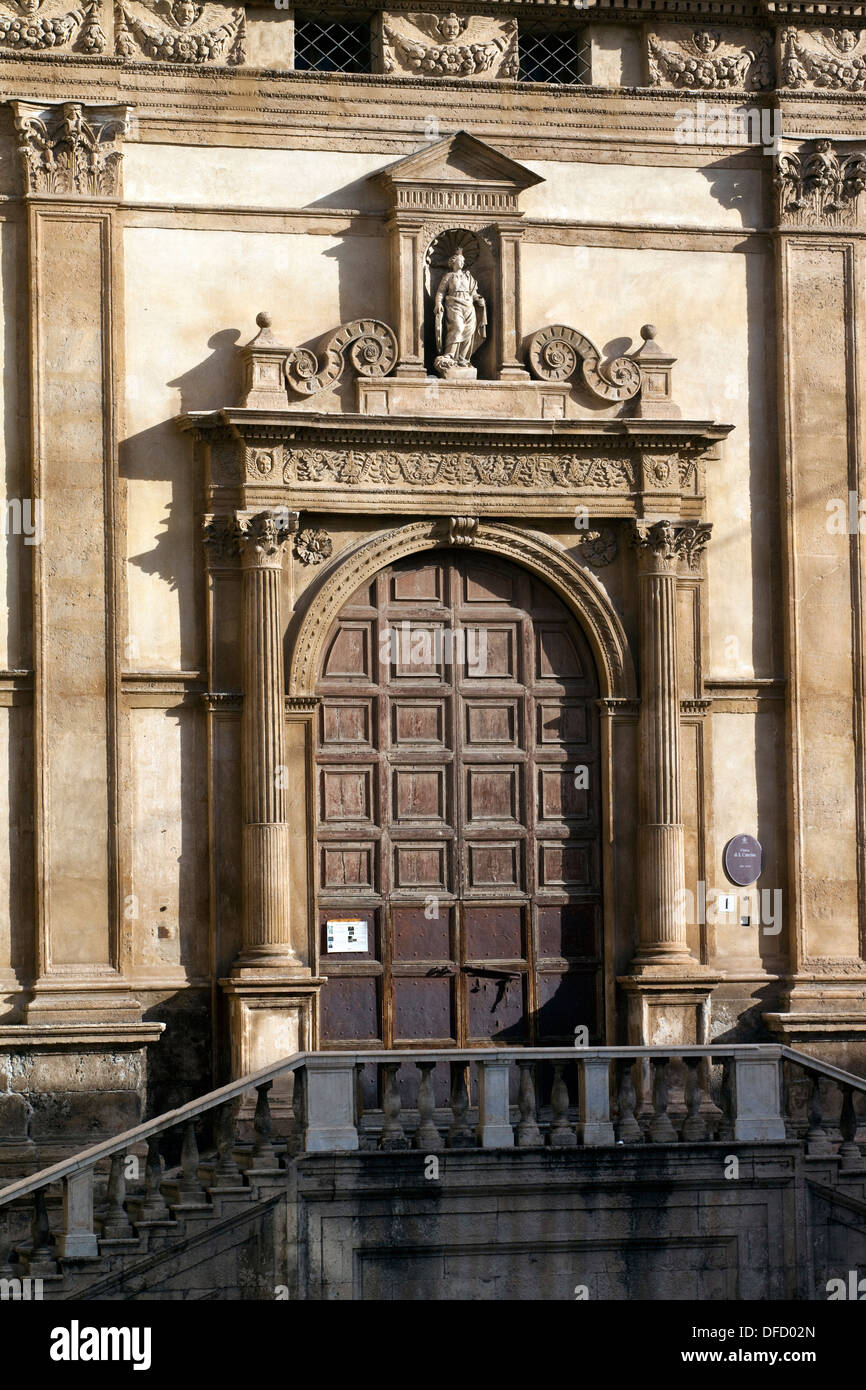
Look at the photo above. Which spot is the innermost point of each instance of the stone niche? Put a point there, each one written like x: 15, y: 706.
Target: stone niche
x: 456, y: 346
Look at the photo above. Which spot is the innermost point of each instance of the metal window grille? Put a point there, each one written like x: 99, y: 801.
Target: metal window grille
x: 553, y: 55
x: 327, y: 45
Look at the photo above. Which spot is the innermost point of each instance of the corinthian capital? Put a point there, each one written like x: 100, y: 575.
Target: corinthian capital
x: 262, y: 535
x: 666, y: 541
x: 70, y: 149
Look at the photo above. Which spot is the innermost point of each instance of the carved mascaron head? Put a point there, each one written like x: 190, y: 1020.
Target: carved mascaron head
x: 184, y: 13
x: 451, y: 27
x: 846, y: 39
x: 29, y: 7
x: 705, y: 40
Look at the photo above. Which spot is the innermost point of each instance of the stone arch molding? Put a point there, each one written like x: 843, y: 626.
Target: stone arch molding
x: 535, y: 552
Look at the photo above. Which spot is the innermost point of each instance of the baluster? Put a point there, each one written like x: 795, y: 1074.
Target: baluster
x: 393, y: 1135
x: 460, y: 1133
x: 264, y: 1157
x: 154, y: 1207
x: 628, y: 1131
x: 41, y: 1259
x: 817, y: 1139
x: 562, y: 1135
x: 226, y: 1172
x: 661, y: 1131
x: 849, y: 1150
x: 529, y: 1136
x: 694, y: 1125
x: 115, y: 1222
x: 188, y: 1191
x: 427, y: 1136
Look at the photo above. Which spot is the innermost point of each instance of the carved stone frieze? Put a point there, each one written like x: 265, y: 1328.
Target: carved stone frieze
x: 179, y: 31
x: 710, y: 60
x: 819, y: 186
x: 830, y: 58
x: 464, y: 468
x: 436, y: 45
x: 70, y: 149
x: 312, y: 547
x: 28, y: 32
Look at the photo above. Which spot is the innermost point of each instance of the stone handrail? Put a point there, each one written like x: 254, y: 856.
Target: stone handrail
x: 328, y: 1117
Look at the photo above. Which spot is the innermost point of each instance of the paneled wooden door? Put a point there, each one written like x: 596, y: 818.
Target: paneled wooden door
x: 454, y: 818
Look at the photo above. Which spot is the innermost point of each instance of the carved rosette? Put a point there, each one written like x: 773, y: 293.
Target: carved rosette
x: 599, y: 547
x: 70, y: 149
x: 432, y: 45
x: 710, y: 60
x: 312, y: 547
x: 180, y: 32
x: 819, y: 186
x: 832, y: 59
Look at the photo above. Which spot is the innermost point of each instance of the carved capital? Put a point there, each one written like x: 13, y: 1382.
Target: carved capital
x: 820, y: 187
x: 661, y: 544
x: 262, y: 535
x: 70, y: 150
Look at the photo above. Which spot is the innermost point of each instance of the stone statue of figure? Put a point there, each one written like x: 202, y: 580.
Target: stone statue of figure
x: 460, y: 316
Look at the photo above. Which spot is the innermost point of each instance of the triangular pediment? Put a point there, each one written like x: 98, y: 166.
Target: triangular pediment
x: 460, y: 159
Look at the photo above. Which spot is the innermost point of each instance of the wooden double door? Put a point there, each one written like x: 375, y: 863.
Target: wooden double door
x: 458, y: 799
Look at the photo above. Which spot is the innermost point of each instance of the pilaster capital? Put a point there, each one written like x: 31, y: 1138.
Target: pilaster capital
x: 262, y: 536
x: 69, y: 149
x: 661, y: 544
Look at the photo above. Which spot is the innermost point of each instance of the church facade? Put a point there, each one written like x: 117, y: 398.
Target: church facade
x: 434, y: 582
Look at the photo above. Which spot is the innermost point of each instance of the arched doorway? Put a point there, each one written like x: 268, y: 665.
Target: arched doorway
x: 458, y: 809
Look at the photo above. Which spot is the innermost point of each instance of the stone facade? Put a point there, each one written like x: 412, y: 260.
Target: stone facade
x: 239, y: 392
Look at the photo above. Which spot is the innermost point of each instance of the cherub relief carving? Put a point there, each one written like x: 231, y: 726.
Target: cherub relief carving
x: 191, y: 32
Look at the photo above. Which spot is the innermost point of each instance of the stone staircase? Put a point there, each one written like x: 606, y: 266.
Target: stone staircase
x: 341, y: 1195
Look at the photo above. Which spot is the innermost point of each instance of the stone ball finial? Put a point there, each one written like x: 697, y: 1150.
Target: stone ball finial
x: 264, y: 320
x: 648, y: 331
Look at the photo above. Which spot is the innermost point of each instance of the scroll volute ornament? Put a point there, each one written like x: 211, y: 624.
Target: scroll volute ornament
x: 271, y: 368
x: 556, y: 352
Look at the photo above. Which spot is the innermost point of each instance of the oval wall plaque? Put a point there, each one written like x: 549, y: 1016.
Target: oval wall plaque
x: 743, y: 859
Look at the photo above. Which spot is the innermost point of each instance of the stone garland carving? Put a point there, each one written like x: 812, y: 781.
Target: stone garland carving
x: 65, y: 151
x: 670, y: 541
x: 834, y: 59
x: 78, y: 28
x: 312, y: 547
x: 191, y: 33
x: 599, y: 547
x: 475, y: 46
x: 819, y: 185
x: 555, y: 352
x: 369, y: 344
x: 352, y: 468
x: 711, y: 60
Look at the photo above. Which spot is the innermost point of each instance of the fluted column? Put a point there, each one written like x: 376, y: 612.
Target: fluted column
x: 267, y: 938
x: 661, y: 850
